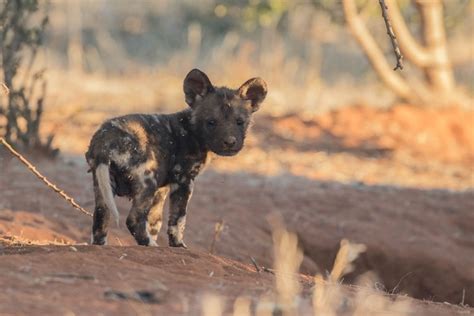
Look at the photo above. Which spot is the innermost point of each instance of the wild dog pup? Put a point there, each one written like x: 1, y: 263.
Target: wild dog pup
x: 147, y: 157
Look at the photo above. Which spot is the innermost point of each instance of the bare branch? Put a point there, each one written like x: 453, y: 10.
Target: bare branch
x: 413, y: 51
x: 394, y: 81
x: 393, y: 38
x: 51, y: 185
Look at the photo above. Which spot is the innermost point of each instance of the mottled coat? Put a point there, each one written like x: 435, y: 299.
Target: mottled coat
x: 147, y: 157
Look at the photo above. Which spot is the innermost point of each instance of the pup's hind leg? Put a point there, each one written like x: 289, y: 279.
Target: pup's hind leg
x: 137, y: 220
x: 155, y: 215
x: 101, y: 217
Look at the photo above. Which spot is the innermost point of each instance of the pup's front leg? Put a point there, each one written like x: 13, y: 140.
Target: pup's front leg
x: 179, y: 197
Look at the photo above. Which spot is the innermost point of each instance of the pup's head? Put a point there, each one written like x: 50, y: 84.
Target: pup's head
x: 221, y: 116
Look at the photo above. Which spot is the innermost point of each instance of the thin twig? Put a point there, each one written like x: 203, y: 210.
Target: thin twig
x: 119, y: 241
x: 255, y: 264
x: 43, y: 178
x: 392, y: 36
x: 268, y: 270
x: 400, y: 281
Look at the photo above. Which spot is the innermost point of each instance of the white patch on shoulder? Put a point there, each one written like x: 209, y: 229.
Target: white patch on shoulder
x: 121, y: 159
x: 174, y: 187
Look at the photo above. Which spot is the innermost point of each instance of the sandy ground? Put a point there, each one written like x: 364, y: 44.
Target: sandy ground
x: 399, y: 181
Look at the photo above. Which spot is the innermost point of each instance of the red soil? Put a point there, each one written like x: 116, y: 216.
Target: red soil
x: 420, y: 240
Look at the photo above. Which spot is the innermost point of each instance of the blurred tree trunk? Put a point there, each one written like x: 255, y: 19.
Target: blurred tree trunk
x: 74, y: 47
x: 439, y: 72
x: 430, y: 56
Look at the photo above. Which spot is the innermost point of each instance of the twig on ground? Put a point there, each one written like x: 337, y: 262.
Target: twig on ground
x: 261, y: 268
x: 268, y: 270
x: 400, y: 281
x: 51, y: 185
x: 255, y: 264
x: 119, y: 241
x: 392, y: 36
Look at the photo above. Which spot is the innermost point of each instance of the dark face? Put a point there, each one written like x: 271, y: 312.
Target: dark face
x: 221, y: 116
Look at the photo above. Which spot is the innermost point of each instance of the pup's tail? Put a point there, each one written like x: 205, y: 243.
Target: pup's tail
x: 103, y: 180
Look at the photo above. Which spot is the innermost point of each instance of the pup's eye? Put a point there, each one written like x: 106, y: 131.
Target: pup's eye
x: 211, y: 123
x: 240, y: 122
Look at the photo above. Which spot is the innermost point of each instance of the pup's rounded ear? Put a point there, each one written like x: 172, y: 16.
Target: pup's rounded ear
x: 196, y: 85
x: 255, y: 90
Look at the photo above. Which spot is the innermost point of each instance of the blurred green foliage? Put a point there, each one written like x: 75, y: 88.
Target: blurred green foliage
x: 254, y: 14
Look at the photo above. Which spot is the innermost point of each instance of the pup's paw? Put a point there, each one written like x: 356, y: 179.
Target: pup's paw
x: 178, y: 244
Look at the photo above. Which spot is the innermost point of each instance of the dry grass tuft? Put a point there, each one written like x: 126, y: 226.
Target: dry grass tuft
x: 327, y: 295
x: 242, y: 306
x: 287, y: 260
x: 369, y: 301
x: 265, y: 306
x: 212, y: 305
x: 348, y: 253
x: 12, y: 240
x: 329, y: 298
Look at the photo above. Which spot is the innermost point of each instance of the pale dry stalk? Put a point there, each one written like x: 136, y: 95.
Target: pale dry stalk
x: 242, y: 306
x: 287, y: 260
x: 212, y: 305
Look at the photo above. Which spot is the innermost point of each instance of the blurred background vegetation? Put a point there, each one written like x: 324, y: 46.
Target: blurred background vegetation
x: 302, y: 48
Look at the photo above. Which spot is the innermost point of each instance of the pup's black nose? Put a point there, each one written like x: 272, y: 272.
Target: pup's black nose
x: 230, y: 141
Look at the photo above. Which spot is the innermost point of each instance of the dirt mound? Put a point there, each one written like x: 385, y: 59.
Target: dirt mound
x: 326, y: 175
x: 399, y: 226
x: 446, y: 135
x: 126, y: 280
x: 84, y: 280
